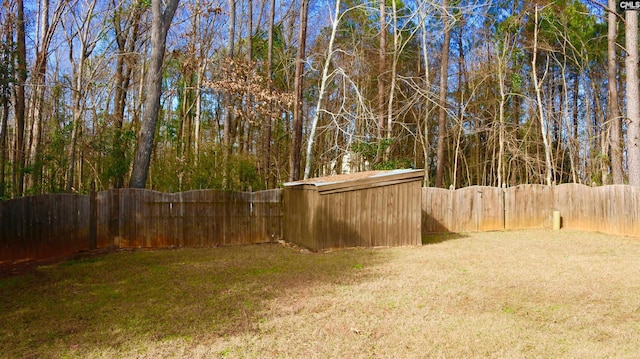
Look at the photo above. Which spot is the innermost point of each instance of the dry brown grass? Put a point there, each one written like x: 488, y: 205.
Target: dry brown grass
x: 498, y: 294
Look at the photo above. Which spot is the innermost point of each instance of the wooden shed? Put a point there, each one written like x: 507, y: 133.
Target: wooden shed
x: 366, y: 209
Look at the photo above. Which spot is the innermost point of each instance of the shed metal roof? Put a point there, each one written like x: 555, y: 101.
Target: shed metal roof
x: 359, y: 180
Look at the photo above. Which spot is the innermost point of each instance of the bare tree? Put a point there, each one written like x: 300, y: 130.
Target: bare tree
x: 204, y: 29
x: 425, y: 89
x: 46, y: 30
x: 127, y: 31
x: 614, y: 110
x: 503, y: 52
x: 321, y: 93
x: 541, y: 117
x: 6, y: 78
x: 442, y: 99
x: 160, y: 23
x: 87, y: 37
x: 18, y: 161
x: 246, y: 127
x: 295, y: 156
x: 266, y: 141
x: 394, y: 76
x: 230, y: 53
x: 382, y: 69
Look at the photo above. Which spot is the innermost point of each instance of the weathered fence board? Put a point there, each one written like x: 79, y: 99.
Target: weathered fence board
x: 528, y: 206
x: 610, y: 209
x: 196, y: 218
x: 476, y: 208
x: 436, y: 210
x: 56, y: 225
x: 576, y: 206
x: 43, y: 226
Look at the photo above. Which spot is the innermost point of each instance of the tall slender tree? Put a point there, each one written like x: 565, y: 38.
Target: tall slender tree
x: 323, y: 85
x: 426, y: 88
x: 160, y: 23
x: 382, y: 75
x: 126, y: 24
x: 614, y: 110
x: 83, y: 24
x: 6, y: 79
x: 47, y: 27
x: 295, y: 157
x: 633, y: 97
x: 20, y: 106
x: 230, y: 54
x: 538, y: 93
x: 442, y: 98
x: 266, y: 141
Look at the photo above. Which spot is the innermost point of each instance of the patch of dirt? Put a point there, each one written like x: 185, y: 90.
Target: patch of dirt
x: 21, y: 267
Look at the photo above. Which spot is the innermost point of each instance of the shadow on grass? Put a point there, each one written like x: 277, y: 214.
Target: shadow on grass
x: 434, y: 238
x: 121, y: 302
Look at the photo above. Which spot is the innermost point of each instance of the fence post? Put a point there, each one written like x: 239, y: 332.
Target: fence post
x: 557, y: 220
x: 93, y: 218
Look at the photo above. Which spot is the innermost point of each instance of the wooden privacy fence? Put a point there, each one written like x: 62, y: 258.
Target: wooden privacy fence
x: 44, y: 226
x: 611, y: 209
x: 56, y: 225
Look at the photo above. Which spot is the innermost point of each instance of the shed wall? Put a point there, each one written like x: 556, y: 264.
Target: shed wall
x: 369, y: 217
x: 299, y: 215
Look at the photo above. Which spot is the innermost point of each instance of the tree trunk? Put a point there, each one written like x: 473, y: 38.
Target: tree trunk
x: 427, y: 85
x: 382, y: 69
x: 502, y: 61
x: 246, y: 139
x: 126, y: 41
x: 18, y: 161
x: 442, y: 98
x: 228, y: 120
x: 161, y: 20
x: 230, y: 52
x: 118, y: 152
x: 617, y: 171
x: 3, y: 142
x: 633, y: 97
x: 392, y: 85
x: 266, y: 144
x: 38, y: 78
x: 295, y: 157
x: 37, y: 102
x: 543, y: 123
x: 575, y: 147
x: 6, y: 74
x: 78, y: 109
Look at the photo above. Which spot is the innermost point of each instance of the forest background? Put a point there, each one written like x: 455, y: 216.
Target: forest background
x: 254, y: 93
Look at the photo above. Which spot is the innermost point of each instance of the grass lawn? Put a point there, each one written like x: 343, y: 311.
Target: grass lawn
x: 498, y: 294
